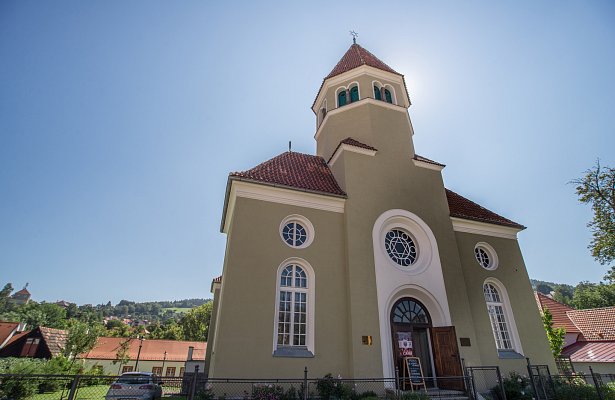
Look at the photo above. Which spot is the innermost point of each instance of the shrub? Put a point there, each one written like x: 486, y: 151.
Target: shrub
x: 268, y: 392
x: 333, y: 388
x: 575, y: 389
x: 516, y: 387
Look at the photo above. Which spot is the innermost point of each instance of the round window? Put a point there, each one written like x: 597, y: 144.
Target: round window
x: 400, y: 247
x: 486, y: 256
x: 294, y: 234
x: 297, y: 231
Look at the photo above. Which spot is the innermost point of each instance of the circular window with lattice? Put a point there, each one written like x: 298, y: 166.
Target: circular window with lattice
x: 486, y: 256
x: 401, y: 247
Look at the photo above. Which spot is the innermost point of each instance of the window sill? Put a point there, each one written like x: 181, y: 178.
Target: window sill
x: 509, y: 355
x: 293, y: 352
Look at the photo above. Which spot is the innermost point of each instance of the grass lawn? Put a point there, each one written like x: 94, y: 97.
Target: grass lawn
x: 96, y: 392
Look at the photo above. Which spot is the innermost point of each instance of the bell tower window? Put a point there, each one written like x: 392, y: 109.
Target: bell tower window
x: 387, y: 96
x: 354, y: 94
x: 377, y: 94
x: 341, y: 98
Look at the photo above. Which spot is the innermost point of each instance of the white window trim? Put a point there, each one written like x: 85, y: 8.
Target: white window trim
x: 311, y: 283
x: 510, y: 319
x: 494, y: 261
x: 303, y: 221
x: 392, y: 90
x: 337, y: 92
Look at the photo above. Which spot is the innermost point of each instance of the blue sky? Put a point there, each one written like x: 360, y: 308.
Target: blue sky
x: 120, y: 121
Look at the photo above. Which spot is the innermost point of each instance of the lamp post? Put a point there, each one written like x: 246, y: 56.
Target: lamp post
x: 163, y: 361
x: 139, y: 352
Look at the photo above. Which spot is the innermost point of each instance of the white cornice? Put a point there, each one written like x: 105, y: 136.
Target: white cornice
x: 279, y: 195
x: 425, y: 164
x: 366, y: 100
x: 349, y: 147
x: 354, y: 73
x: 482, y: 228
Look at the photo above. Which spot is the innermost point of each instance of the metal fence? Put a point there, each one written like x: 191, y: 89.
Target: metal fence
x: 478, y: 383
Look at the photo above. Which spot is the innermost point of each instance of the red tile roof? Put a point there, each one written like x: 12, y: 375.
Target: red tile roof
x: 55, y: 339
x: 351, y: 142
x: 22, y: 291
x: 427, y: 160
x: 598, y: 351
x: 461, y: 207
x: 106, y: 349
x: 355, y: 57
x: 7, y: 329
x: 312, y: 174
x: 595, y: 323
x: 296, y: 171
x: 558, y: 310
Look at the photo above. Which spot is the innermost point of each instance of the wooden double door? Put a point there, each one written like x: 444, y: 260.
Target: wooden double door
x: 413, y: 336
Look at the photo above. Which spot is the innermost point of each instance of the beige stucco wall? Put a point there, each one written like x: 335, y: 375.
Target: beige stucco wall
x: 343, y: 258
x: 512, y: 274
x: 255, y: 250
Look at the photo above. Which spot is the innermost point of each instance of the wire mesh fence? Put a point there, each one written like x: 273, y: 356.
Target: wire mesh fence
x: 479, y: 383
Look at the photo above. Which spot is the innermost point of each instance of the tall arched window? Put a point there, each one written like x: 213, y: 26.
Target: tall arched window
x: 498, y: 318
x: 354, y: 94
x: 294, y: 310
x: 377, y: 94
x: 387, y: 96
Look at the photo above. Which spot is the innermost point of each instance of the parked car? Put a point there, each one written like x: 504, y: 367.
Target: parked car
x: 136, y: 385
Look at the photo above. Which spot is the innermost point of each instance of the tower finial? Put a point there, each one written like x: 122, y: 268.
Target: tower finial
x: 289, y: 146
x: 354, y: 36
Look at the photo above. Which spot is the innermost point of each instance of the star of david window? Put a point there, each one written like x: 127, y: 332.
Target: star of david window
x: 400, y: 247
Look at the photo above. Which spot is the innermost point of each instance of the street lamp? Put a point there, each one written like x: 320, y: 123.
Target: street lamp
x: 141, y: 338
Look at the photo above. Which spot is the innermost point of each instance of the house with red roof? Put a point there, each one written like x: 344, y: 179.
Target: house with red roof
x: 590, y: 334
x: 162, y: 357
x: 350, y: 260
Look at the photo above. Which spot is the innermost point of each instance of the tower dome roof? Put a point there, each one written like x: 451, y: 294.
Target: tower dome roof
x: 355, y: 57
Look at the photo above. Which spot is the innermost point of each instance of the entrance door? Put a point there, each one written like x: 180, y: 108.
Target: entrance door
x: 446, y: 357
x: 410, y: 325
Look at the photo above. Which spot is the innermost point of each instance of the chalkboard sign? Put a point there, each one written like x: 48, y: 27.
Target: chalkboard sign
x: 415, y: 372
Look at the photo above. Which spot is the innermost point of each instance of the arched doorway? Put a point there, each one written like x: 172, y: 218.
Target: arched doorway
x: 410, y: 324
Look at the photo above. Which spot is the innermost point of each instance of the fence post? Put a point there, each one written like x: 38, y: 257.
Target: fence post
x: 500, y: 382
x: 305, y: 384
x: 397, y: 383
x: 470, y: 373
x: 531, y: 375
x: 73, y: 387
x: 192, y: 390
x: 591, y: 371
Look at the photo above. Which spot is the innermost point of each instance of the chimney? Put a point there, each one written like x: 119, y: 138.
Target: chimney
x: 190, y: 351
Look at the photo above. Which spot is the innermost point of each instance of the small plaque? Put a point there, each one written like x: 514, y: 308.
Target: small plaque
x: 367, y: 340
x: 465, y: 341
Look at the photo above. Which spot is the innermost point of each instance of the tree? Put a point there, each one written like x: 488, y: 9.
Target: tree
x: 555, y: 335
x: 5, y: 293
x: 592, y: 295
x: 597, y: 187
x: 195, y: 323
x: 122, y: 356
x: 82, y: 338
x: 544, y: 288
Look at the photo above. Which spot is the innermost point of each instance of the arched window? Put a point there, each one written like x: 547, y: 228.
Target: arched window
x: 498, y: 317
x: 341, y: 98
x: 377, y: 94
x: 294, y: 332
x: 387, y: 96
x: 409, y: 311
x: 354, y: 94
